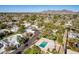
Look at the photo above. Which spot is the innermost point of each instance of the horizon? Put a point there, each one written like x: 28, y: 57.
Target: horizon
x: 37, y: 8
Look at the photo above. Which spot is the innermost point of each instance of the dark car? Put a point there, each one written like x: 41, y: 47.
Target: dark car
x: 19, y: 52
x: 26, y: 44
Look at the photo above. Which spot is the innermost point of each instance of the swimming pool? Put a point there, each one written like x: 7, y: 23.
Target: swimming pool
x: 43, y: 44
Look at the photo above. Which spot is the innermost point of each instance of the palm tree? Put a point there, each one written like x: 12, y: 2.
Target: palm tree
x: 65, y: 37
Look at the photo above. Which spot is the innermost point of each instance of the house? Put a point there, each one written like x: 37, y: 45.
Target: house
x: 16, y: 18
x: 3, y: 32
x: 35, y: 27
x: 12, y: 40
x: 36, y: 33
x: 3, y: 45
x: 26, y: 24
x: 9, y: 41
x: 14, y: 28
x: 29, y: 29
x: 73, y: 35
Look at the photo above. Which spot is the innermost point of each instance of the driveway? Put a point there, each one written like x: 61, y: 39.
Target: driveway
x: 71, y: 52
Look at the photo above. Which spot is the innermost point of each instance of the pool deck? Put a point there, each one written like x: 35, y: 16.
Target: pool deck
x: 50, y: 44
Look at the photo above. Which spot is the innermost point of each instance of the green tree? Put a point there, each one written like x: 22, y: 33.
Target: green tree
x: 21, y: 29
x: 33, y: 50
x: 20, y: 40
x: 3, y: 26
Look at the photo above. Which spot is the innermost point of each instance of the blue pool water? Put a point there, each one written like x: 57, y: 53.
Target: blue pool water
x: 43, y: 44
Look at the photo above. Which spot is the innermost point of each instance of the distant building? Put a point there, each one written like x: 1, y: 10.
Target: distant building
x: 73, y: 35
x: 29, y: 31
x: 36, y: 33
x: 14, y: 28
x: 35, y: 27
x: 26, y: 24
x: 15, y: 18
x: 3, y: 32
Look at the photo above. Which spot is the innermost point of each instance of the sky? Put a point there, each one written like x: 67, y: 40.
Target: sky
x: 36, y: 8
